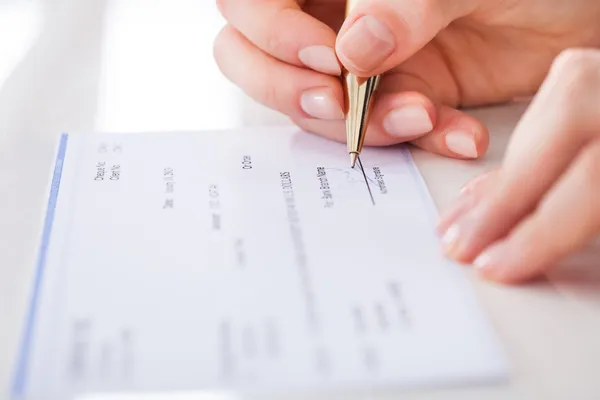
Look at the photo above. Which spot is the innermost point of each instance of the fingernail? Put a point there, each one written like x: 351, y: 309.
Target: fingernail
x: 321, y: 59
x: 407, y: 121
x: 451, y: 237
x: 492, y: 258
x: 457, y: 241
x: 466, y: 188
x: 461, y: 143
x: 321, y: 103
x: 469, y: 186
x: 495, y: 262
x: 483, y: 261
x: 366, y: 44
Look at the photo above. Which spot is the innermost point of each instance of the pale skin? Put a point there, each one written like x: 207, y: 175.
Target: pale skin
x: 436, y: 57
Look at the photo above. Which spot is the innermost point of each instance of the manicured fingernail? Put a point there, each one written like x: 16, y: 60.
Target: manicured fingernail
x: 321, y: 59
x: 496, y: 263
x: 461, y: 143
x: 492, y: 258
x: 407, y: 121
x: 321, y: 103
x: 458, y: 240
x: 484, y: 261
x: 469, y: 186
x: 366, y: 44
x: 451, y: 237
x: 466, y: 188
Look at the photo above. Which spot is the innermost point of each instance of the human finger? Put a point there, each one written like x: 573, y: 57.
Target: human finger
x: 294, y: 91
x: 305, y: 95
x: 409, y: 116
x: 566, y: 221
x: 404, y: 101
x: 282, y: 29
x: 479, y: 181
x: 456, y: 135
x: 562, y: 118
x: 381, y: 34
x: 407, y: 109
x: 468, y: 198
x: 412, y: 117
x: 308, y: 97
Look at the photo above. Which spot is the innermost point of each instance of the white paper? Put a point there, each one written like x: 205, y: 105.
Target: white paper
x: 245, y: 261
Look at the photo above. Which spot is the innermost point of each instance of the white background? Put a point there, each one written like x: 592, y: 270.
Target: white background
x: 138, y: 65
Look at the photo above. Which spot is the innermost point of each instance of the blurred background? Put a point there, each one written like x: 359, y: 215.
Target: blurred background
x: 114, y: 65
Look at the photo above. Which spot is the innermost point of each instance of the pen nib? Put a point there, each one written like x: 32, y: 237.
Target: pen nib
x: 353, y: 157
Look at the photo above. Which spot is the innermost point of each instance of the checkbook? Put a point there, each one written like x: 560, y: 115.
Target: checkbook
x: 248, y: 261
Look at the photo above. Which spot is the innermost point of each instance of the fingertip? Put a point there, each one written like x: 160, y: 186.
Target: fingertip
x: 319, y: 96
x: 321, y: 103
x: 365, y: 42
x: 221, y: 42
x: 321, y: 59
x: 455, y: 135
x: 505, y: 262
x: 379, y: 35
x: 479, y: 180
x: 499, y: 274
x: 291, y: 90
x: 285, y: 31
x: 481, y: 134
x: 464, y: 202
x: 405, y: 116
x: 465, y: 136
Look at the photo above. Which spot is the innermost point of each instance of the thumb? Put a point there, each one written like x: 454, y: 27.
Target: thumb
x: 380, y: 34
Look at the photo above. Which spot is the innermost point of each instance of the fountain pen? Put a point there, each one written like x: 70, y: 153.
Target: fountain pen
x: 358, y: 93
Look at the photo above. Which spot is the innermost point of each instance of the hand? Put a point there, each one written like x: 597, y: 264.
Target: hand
x: 544, y: 201
x: 436, y: 56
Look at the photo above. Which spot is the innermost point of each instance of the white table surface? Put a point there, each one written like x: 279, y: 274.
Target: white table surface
x: 146, y: 65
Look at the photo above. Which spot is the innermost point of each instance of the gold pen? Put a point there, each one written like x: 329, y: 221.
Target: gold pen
x: 358, y: 93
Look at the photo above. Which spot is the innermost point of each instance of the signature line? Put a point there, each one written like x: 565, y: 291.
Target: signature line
x: 366, y: 181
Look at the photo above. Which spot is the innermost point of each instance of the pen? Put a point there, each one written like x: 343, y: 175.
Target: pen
x: 358, y: 103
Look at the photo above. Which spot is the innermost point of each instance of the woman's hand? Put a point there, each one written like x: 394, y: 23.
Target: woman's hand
x: 436, y: 56
x: 544, y: 202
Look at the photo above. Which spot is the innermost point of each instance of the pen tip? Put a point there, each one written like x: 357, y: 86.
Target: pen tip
x: 353, y: 157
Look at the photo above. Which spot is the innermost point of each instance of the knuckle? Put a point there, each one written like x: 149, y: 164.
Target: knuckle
x: 407, y: 16
x: 275, y: 44
x: 274, y: 31
x: 575, y: 54
x: 220, y: 45
x: 269, y: 95
x: 260, y: 85
x: 573, y: 88
x: 262, y: 88
x: 222, y: 6
x: 578, y: 66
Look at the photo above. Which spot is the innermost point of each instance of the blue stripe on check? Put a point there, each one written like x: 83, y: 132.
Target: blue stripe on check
x: 20, y: 377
